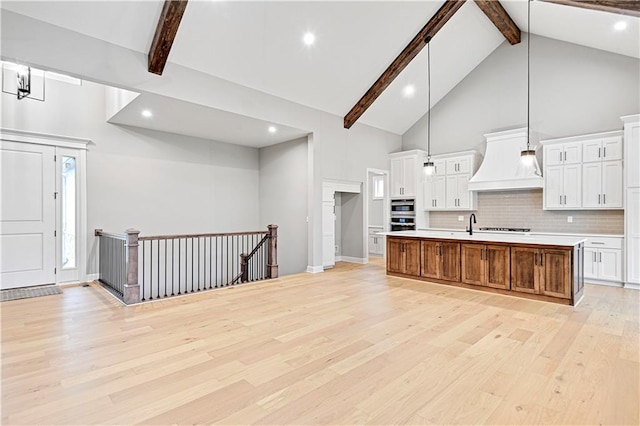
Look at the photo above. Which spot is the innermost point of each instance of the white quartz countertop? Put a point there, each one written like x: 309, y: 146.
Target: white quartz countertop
x: 492, y: 237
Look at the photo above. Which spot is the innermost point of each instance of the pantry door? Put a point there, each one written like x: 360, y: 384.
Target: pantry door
x: 27, y: 215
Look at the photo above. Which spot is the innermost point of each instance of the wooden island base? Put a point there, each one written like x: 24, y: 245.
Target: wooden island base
x: 551, y: 273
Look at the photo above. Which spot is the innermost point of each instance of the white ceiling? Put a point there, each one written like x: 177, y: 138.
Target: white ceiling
x: 259, y: 45
x: 186, y: 118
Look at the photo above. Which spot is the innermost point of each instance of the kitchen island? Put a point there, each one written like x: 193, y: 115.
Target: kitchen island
x: 549, y: 268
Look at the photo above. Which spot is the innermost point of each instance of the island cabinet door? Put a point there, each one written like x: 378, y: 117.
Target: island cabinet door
x: 450, y: 261
x: 524, y: 270
x: 395, y: 255
x: 473, y: 265
x: 412, y: 257
x: 555, y: 265
x: 498, y: 266
x: 431, y: 259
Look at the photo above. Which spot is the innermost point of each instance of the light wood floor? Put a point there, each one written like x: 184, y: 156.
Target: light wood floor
x: 349, y: 346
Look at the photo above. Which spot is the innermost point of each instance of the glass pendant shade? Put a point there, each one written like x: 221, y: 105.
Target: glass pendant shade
x: 528, y: 166
x: 429, y: 168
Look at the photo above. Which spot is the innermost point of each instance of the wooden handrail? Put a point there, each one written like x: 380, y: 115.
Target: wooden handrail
x: 101, y: 233
x: 171, y: 237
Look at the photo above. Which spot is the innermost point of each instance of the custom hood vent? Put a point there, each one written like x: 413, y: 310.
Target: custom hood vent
x: 501, y: 169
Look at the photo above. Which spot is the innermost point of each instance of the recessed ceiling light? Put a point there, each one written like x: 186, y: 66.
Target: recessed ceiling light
x: 272, y: 129
x: 309, y: 39
x: 147, y: 113
x: 620, y: 26
x: 408, y: 91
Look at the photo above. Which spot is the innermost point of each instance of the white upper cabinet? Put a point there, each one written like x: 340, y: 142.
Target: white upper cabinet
x: 567, y: 153
x: 605, y: 149
x: 448, y: 189
x: 403, y: 174
x: 584, y: 172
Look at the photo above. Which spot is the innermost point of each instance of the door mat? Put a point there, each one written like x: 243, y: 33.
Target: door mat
x: 27, y: 292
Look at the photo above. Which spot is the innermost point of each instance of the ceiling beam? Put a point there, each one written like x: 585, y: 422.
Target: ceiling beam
x: 166, y: 31
x: 448, y: 9
x: 501, y: 19
x: 622, y: 7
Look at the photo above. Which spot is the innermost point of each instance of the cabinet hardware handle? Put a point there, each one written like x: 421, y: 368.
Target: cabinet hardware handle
x: 598, y: 152
x: 600, y: 257
x: 604, y: 152
x: 561, y: 156
x: 565, y: 200
x: 565, y: 156
x: 541, y: 259
x: 604, y: 198
x: 561, y: 199
x: 597, y: 242
x: 598, y: 198
x: 594, y: 256
x: 535, y: 259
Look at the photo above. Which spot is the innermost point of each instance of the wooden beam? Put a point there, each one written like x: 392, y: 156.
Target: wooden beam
x: 166, y: 31
x: 622, y: 7
x: 501, y: 19
x: 448, y: 9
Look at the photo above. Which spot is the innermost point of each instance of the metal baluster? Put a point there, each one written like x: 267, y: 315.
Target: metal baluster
x: 158, y: 266
x: 192, y: 264
x: 198, y: 263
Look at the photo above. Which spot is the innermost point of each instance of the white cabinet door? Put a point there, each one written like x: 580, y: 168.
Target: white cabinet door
x: 464, y: 165
x: 612, y: 148
x: 452, y: 191
x: 440, y: 167
x: 592, y: 151
x: 395, y: 177
x: 572, y: 153
x: 27, y: 215
x: 553, y: 187
x: 429, y: 193
x: 410, y: 176
x: 632, y: 235
x: 572, y: 185
x: 612, y: 184
x: 609, y: 264
x: 464, y: 196
x: 452, y: 166
x: 590, y: 263
x: 632, y: 155
x: 439, y: 190
x: 592, y: 185
x: 553, y: 155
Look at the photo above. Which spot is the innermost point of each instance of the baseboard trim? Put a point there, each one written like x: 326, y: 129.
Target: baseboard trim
x: 93, y: 277
x: 349, y: 259
x: 314, y: 269
x: 605, y: 283
x: 632, y: 286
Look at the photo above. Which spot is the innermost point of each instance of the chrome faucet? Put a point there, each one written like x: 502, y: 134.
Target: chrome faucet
x: 470, y: 230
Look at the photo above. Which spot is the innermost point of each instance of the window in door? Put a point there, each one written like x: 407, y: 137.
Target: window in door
x: 68, y: 212
x: 378, y: 187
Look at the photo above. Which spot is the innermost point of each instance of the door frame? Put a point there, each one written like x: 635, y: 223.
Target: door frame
x: 64, y: 144
x: 386, y: 206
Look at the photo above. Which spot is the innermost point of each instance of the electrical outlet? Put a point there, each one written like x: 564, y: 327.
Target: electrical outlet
x: 570, y: 219
x: 336, y: 249
x: 460, y: 218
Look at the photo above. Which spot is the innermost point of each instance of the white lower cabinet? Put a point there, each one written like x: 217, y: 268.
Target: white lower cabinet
x: 376, y: 244
x: 603, y: 258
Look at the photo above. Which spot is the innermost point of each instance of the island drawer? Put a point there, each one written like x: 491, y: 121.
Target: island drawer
x: 603, y: 242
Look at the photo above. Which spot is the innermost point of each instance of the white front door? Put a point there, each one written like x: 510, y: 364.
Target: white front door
x: 27, y: 215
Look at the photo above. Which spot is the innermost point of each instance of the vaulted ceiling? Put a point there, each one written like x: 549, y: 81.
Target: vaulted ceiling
x: 259, y: 44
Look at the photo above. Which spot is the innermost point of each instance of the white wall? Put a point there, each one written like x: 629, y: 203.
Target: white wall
x: 352, y: 225
x: 159, y: 183
x: 574, y: 90
x: 283, y: 201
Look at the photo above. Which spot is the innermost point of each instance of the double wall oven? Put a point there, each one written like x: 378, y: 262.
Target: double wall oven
x: 403, y: 215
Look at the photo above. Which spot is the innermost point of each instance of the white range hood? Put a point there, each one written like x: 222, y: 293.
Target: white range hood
x: 501, y: 169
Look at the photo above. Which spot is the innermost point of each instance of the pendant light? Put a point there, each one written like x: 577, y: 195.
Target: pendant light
x: 528, y: 156
x: 428, y: 167
x: 23, y: 74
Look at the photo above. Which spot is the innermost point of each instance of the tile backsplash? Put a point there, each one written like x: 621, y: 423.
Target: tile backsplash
x: 523, y: 209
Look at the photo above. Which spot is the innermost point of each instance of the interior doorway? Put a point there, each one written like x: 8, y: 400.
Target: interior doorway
x: 42, y: 210
x: 376, y: 212
x: 340, y: 199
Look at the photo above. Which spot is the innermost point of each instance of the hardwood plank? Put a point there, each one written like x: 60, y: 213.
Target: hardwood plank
x: 351, y: 345
x: 501, y: 19
x: 165, y: 34
x: 448, y: 9
x: 623, y: 7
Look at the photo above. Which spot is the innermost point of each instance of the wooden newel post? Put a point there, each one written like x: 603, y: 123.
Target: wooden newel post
x: 131, y: 293
x: 272, y: 252
x: 243, y: 268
